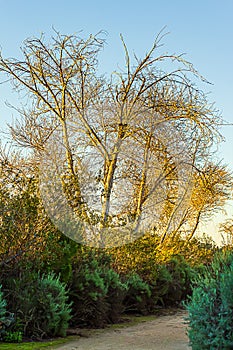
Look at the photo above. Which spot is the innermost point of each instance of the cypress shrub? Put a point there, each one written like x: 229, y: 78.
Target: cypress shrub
x: 40, y: 304
x: 97, y: 294
x: 210, y: 308
x: 138, y: 294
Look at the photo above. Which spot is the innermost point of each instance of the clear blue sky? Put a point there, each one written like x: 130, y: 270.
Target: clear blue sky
x: 202, y: 28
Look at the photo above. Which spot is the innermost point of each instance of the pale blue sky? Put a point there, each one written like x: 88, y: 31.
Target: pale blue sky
x: 202, y: 28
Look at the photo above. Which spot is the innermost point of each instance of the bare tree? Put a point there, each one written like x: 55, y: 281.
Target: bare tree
x: 117, y: 144
x: 212, y: 188
x: 226, y: 230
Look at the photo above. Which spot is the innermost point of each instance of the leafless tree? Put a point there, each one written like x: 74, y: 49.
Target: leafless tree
x: 118, y: 144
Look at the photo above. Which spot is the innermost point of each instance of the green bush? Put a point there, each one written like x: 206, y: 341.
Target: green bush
x: 40, y: 304
x: 6, y: 318
x: 88, y: 295
x: 210, y: 309
x: 179, y: 282
x: 160, y: 281
x: 2, y: 306
x: 96, y: 292
x: 13, y: 337
x: 138, y: 294
x: 117, y: 290
x: 2, y: 314
x: 52, y: 306
x: 170, y: 282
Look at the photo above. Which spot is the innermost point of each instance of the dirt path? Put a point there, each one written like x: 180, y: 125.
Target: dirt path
x: 161, y: 333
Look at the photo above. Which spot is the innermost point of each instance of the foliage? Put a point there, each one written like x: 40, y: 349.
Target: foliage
x: 29, y: 240
x: 211, y: 306
x: 179, y: 282
x: 117, y: 291
x: 96, y: 292
x: 138, y: 294
x: 137, y: 277
x: 24, y: 227
x: 2, y: 313
x: 13, y: 337
x: 2, y: 306
x: 168, y: 268
x: 142, y: 255
x: 212, y: 186
x: 40, y: 304
x: 6, y: 318
x: 33, y: 345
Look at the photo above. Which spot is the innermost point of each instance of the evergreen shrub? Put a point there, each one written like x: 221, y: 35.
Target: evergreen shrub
x: 96, y: 293
x: 138, y: 294
x: 210, y: 308
x: 40, y: 304
x: 6, y: 318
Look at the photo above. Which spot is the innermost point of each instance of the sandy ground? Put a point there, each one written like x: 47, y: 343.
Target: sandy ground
x: 161, y: 333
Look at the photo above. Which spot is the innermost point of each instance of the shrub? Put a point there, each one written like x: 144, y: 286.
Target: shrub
x: 13, y: 337
x: 96, y: 292
x: 40, y: 304
x: 2, y: 313
x: 2, y: 306
x: 179, y: 281
x: 142, y: 255
x: 169, y: 283
x: 160, y: 280
x: 53, y: 305
x: 117, y: 291
x: 138, y: 294
x: 211, y: 307
x: 88, y: 295
x: 6, y: 318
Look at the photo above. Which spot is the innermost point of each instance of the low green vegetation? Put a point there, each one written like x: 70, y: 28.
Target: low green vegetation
x: 45, y: 298
x: 53, y: 283
x: 211, y: 306
x: 40, y: 305
x: 49, y: 282
x: 33, y: 345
